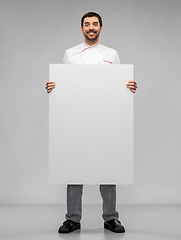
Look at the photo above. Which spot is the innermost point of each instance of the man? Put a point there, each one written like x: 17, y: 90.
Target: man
x: 91, y: 52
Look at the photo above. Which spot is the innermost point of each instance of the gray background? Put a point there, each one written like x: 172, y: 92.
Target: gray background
x: 36, y: 33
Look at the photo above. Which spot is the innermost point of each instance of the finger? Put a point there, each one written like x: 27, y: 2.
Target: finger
x: 131, y: 84
x: 50, y: 83
x: 132, y: 81
x: 132, y: 90
x: 50, y: 86
x: 49, y: 89
x: 132, y: 87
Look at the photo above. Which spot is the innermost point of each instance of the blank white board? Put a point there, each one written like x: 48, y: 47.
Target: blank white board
x: 91, y: 124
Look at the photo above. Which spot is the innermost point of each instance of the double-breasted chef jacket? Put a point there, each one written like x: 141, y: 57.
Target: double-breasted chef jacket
x: 94, y: 54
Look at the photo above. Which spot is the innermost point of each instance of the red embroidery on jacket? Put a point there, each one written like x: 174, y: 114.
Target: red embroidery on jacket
x: 107, y: 61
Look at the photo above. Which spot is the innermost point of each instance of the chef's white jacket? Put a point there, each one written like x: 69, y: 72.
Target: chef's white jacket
x: 94, y: 54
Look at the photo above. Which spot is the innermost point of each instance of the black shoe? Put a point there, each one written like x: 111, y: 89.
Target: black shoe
x: 114, y: 225
x: 69, y: 226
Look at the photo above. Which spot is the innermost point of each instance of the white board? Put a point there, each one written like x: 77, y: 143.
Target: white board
x: 91, y: 125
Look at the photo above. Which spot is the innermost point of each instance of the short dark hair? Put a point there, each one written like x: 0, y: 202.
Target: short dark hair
x: 91, y: 14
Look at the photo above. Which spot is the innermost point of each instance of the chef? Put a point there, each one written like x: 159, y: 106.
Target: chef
x: 91, y: 52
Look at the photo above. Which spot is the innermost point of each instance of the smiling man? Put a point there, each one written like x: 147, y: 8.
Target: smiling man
x: 91, y: 52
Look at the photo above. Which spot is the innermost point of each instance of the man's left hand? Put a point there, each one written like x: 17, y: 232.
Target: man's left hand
x: 132, y: 85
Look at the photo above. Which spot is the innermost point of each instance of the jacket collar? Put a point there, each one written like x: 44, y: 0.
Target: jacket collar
x: 87, y: 46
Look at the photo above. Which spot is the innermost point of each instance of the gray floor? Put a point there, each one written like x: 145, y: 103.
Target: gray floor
x: 40, y: 222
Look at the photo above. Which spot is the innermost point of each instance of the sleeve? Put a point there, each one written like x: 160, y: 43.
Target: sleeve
x: 65, y: 58
x: 116, y: 59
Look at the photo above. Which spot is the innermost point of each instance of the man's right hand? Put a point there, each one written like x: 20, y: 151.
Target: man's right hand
x: 50, y: 86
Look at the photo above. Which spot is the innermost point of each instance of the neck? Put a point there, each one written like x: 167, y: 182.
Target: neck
x: 92, y: 42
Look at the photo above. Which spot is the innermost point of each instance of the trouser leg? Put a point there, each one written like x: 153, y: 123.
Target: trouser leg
x: 74, y: 202
x: 108, y: 193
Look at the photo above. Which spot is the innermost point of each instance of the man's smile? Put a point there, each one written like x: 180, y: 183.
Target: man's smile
x: 91, y: 33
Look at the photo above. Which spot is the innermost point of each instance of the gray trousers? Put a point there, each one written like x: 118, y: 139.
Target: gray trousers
x: 74, y: 202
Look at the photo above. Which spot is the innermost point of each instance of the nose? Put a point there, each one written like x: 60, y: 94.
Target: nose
x: 91, y: 26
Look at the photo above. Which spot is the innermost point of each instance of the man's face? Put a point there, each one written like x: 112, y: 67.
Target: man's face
x: 91, y: 28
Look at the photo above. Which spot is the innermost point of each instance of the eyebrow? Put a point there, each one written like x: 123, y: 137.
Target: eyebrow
x: 89, y: 22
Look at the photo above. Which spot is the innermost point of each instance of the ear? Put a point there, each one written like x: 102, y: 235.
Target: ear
x: 101, y: 29
x: 82, y: 29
